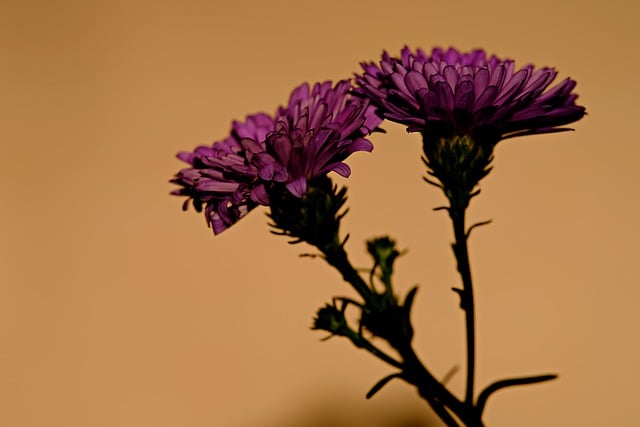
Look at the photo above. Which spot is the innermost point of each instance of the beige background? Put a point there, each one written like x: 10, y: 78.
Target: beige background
x: 117, y: 309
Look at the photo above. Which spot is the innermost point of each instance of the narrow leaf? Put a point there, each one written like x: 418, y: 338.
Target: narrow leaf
x: 482, y: 398
x: 408, y: 301
x: 376, y: 388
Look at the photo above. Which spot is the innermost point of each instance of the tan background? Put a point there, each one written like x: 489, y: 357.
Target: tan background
x: 117, y: 309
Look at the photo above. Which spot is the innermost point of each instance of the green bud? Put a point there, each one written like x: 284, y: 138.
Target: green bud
x: 313, y: 218
x: 332, y: 320
x: 459, y: 162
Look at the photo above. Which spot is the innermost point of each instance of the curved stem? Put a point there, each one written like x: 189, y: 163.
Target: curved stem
x: 457, y: 214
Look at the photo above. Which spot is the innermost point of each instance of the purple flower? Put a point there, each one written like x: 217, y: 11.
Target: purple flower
x: 450, y: 93
x: 311, y: 136
x: 315, y: 133
x: 221, y: 176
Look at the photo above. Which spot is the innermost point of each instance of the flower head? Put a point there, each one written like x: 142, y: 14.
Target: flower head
x: 311, y: 136
x: 449, y: 93
x: 221, y: 177
x: 316, y: 132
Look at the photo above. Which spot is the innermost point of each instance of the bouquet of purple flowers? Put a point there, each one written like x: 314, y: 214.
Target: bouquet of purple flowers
x: 462, y: 104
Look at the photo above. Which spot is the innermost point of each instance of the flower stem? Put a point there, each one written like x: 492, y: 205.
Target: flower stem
x: 457, y: 214
x: 361, y: 342
x: 413, y: 371
x: 336, y: 256
x: 436, y: 394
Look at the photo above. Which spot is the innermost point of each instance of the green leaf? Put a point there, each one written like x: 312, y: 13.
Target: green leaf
x: 376, y: 388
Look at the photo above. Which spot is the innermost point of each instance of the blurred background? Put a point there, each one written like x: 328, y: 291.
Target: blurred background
x: 119, y: 309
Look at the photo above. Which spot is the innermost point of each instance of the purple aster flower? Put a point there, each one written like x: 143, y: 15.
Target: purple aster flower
x: 450, y: 93
x: 315, y: 133
x: 222, y: 177
x: 311, y: 136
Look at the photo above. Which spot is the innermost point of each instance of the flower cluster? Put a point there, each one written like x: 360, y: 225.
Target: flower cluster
x: 310, y: 137
x: 449, y: 93
x: 462, y: 104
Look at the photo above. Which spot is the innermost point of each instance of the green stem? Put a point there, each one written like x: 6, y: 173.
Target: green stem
x: 414, y: 372
x: 336, y: 256
x: 440, y: 410
x: 457, y: 214
x: 359, y: 341
x: 429, y: 388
